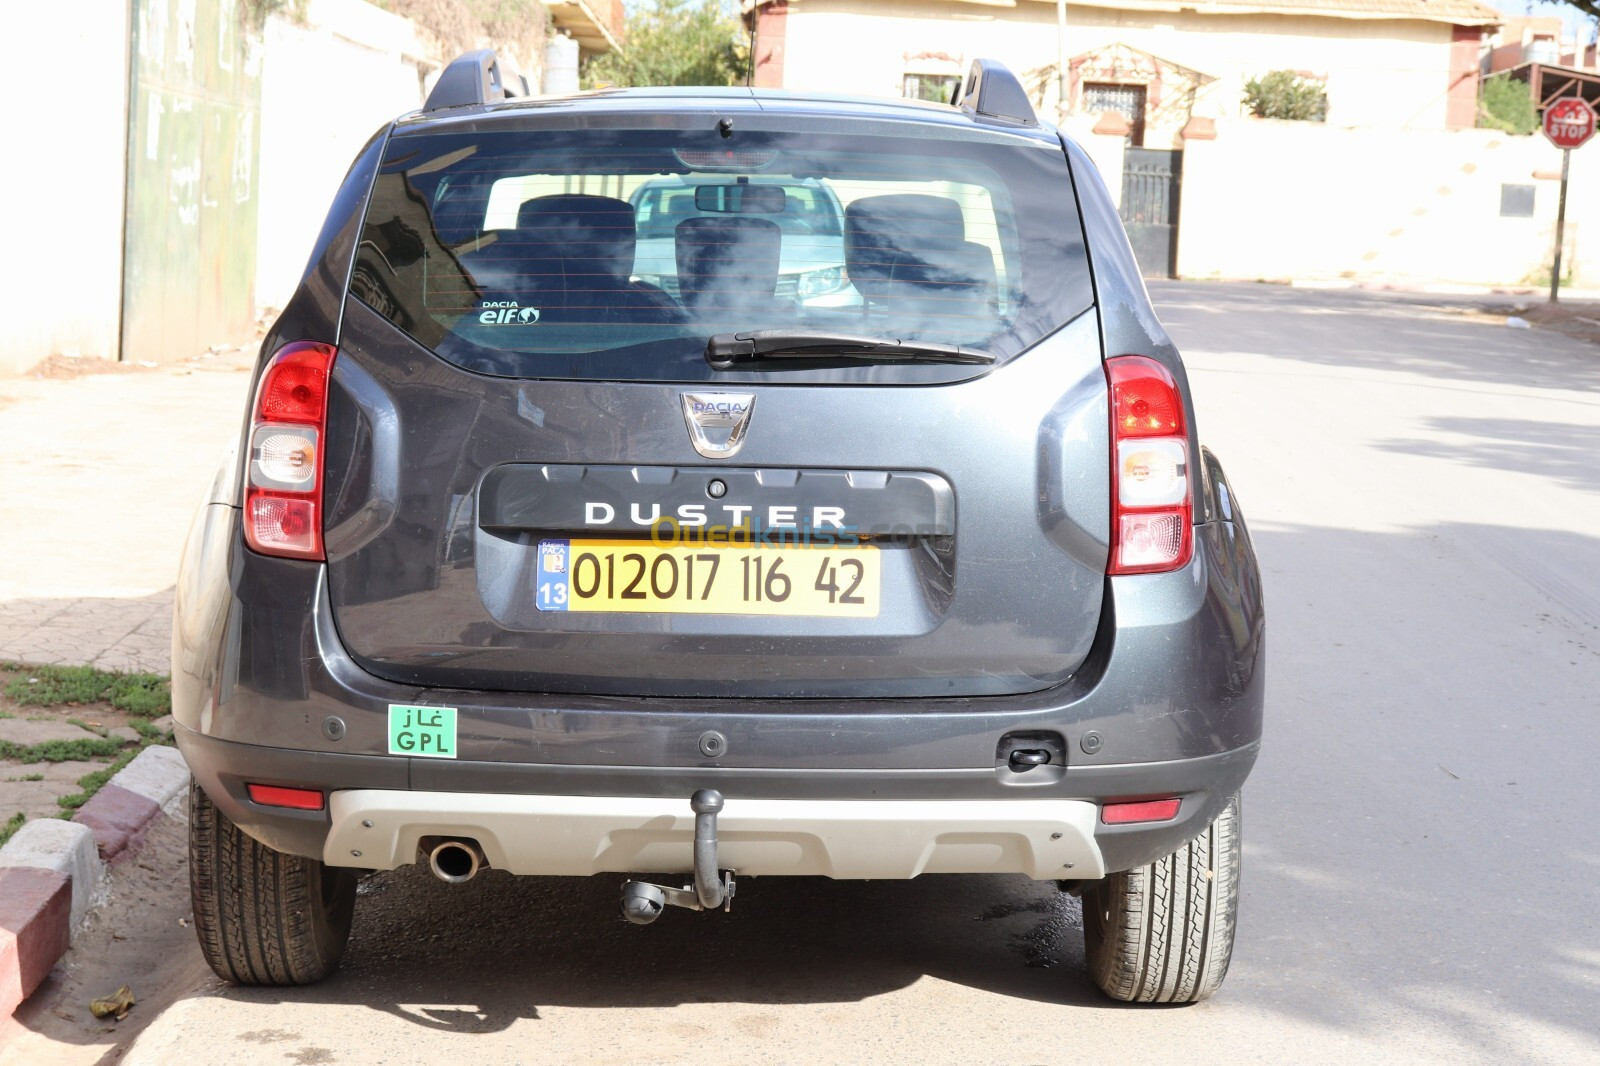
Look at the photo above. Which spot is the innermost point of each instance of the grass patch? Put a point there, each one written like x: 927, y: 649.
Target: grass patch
x: 86, y: 727
x: 75, y: 750
x: 144, y: 695
x: 93, y: 781
x: 148, y: 731
x: 31, y: 777
x: 11, y: 825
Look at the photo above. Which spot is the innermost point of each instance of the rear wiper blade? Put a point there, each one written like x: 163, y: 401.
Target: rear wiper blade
x: 727, y: 350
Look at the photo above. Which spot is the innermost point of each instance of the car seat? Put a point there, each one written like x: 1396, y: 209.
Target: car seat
x: 907, y: 253
x: 729, y: 263
x: 571, y: 255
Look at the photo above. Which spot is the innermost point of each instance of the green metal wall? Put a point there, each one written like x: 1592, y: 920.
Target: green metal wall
x: 193, y: 143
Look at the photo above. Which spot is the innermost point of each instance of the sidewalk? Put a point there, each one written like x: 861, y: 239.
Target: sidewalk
x: 1508, y: 293
x: 103, y: 473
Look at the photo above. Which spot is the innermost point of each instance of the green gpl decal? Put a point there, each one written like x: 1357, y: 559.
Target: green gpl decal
x: 429, y: 731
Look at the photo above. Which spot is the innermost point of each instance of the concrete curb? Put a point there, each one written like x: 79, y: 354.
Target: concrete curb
x: 51, y: 870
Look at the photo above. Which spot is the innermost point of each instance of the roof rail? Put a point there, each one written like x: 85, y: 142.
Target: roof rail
x: 992, y: 91
x: 475, y: 78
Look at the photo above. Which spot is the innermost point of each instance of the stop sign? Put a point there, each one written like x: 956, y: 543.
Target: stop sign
x: 1569, y: 122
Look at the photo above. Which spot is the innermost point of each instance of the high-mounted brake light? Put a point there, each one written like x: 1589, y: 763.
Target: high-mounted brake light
x: 725, y: 158
x: 1151, y: 518
x: 283, y: 486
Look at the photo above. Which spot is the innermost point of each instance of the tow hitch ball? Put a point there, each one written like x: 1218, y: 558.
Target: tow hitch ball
x: 643, y: 903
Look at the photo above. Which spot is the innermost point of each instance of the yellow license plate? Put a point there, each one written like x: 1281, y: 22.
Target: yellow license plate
x: 823, y: 581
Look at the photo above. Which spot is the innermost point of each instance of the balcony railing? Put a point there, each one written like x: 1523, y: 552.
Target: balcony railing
x: 597, y: 25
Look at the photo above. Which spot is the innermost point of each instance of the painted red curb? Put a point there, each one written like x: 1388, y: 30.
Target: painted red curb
x: 118, y: 818
x: 35, y: 926
x: 36, y: 903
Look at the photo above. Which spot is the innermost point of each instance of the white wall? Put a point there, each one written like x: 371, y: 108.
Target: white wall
x: 1295, y: 200
x: 326, y: 87
x: 1379, y: 72
x: 65, y: 78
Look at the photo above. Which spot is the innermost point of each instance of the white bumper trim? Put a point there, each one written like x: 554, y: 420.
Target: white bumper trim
x: 853, y: 839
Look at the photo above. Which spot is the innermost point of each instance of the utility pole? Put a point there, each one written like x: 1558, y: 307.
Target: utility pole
x: 1561, y: 225
x: 1061, y: 58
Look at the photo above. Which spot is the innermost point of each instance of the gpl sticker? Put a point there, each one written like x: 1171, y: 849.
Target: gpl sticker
x: 428, y: 731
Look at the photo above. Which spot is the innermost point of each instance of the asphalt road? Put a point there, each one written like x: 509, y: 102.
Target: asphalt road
x: 1422, y: 853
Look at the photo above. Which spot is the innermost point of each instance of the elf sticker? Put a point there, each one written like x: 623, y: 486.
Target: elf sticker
x: 506, y: 313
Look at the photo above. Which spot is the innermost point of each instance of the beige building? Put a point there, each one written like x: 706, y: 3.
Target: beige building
x: 1536, y: 39
x: 1384, y: 63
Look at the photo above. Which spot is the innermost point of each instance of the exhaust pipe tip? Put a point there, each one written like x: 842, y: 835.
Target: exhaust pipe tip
x: 456, y: 861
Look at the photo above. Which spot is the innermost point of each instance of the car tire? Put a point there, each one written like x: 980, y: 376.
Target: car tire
x: 263, y: 917
x: 1164, y: 933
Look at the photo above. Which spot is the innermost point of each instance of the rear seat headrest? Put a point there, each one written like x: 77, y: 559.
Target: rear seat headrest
x: 592, y: 234
x: 911, y: 246
x: 909, y: 221
x: 728, y: 255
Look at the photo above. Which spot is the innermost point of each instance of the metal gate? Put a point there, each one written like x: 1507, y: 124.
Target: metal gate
x: 1150, y: 181
x: 189, y: 243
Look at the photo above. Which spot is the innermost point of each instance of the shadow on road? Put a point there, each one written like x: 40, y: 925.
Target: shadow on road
x: 1420, y: 860
x: 478, y: 957
x: 1560, y: 451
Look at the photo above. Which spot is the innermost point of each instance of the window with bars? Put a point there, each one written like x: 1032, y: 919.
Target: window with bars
x: 1125, y: 100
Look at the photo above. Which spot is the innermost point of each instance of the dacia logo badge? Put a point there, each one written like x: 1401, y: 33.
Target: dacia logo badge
x: 717, y: 421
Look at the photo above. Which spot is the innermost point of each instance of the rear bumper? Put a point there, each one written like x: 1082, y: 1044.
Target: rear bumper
x: 1168, y: 703
x: 854, y: 839
x: 837, y: 823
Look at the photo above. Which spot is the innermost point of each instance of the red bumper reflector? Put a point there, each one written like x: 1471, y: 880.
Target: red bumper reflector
x: 301, y: 799
x: 1142, y: 811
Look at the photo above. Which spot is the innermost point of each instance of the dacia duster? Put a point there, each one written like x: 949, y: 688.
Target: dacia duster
x: 529, y: 560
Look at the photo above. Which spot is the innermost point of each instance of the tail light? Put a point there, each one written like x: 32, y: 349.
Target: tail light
x: 283, y: 485
x: 1151, y: 516
x: 1159, y: 810
x: 299, y: 799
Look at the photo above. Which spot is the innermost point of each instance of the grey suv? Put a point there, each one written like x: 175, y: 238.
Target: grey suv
x: 528, y: 562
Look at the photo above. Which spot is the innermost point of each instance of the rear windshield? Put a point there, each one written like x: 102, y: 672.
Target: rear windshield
x: 616, y: 253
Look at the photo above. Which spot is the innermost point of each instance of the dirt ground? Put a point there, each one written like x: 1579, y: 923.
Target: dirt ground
x: 57, y: 367
x: 1579, y: 320
x: 143, y: 938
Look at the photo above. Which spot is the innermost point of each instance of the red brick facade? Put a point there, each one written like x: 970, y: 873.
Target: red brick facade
x: 772, y: 25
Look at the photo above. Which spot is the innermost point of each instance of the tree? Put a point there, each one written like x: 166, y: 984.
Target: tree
x: 674, y: 42
x: 1506, y: 104
x: 1588, y: 7
x: 1285, y: 94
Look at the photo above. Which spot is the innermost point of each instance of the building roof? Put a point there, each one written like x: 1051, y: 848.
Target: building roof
x: 1455, y: 12
x: 1452, y: 12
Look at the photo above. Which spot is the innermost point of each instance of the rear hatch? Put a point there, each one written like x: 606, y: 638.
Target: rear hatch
x: 558, y: 460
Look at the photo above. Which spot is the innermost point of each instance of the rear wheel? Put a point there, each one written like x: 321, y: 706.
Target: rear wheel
x: 263, y: 917
x: 1164, y: 933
